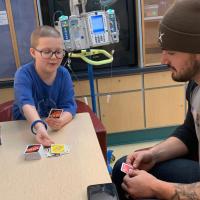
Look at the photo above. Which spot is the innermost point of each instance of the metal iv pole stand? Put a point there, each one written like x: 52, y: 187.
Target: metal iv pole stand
x: 91, y: 81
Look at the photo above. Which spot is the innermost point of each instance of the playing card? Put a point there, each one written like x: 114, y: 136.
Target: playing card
x: 32, y: 148
x: 55, y: 113
x: 126, y: 167
x: 57, y: 150
x: 33, y: 152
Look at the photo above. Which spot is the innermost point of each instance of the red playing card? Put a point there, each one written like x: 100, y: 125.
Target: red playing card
x: 55, y: 113
x: 33, y: 152
x: 126, y: 167
x: 33, y: 148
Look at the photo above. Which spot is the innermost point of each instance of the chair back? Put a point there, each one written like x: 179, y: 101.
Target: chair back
x: 6, y: 111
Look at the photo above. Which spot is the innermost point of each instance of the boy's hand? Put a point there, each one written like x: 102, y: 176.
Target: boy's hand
x: 42, y: 137
x: 58, y: 123
x: 55, y: 123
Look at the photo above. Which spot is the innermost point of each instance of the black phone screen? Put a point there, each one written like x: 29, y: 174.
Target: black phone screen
x: 106, y: 191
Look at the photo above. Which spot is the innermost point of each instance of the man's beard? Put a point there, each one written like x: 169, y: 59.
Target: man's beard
x: 188, y: 73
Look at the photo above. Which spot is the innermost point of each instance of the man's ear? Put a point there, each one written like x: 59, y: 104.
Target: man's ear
x: 32, y: 52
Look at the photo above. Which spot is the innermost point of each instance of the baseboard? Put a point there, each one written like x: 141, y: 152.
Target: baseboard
x: 144, y: 135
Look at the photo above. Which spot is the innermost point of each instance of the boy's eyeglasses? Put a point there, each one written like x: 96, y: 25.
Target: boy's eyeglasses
x: 48, y: 53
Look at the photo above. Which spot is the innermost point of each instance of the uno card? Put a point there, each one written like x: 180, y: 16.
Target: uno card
x: 126, y: 167
x: 33, y: 152
x: 55, y: 113
x: 32, y: 148
x: 58, y: 148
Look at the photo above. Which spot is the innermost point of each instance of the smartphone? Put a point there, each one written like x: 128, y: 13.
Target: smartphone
x: 106, y: 191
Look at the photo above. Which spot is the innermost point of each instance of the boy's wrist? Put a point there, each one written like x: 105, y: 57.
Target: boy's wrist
x: 37, y: 124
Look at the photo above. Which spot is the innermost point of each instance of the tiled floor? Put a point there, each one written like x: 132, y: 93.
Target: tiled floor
x: 119, y: 151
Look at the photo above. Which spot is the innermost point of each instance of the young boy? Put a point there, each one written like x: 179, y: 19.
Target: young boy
x: 44, y: 84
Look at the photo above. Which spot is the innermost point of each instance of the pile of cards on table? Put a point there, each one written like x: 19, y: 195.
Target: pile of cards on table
x: 34, y: 152
x: 37, y: 151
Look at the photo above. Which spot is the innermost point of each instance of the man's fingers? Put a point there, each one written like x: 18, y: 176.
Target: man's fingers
x: 137, y: 162
x: 133, y: 172
x: 134, y: 159
x: 129, y: 159
x: 124, y: 186
x: 126, y: 179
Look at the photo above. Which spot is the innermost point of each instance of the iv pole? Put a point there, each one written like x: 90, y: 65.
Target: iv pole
x: 92, y: 90
x: 86, y: 54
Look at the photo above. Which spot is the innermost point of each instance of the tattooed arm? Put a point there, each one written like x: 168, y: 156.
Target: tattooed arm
x: 187, y: 191
x: 140, y: 184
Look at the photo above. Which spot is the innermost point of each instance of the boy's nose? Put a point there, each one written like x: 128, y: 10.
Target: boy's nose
x: 54, y: 56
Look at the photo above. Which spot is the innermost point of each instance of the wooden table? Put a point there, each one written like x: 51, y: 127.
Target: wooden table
x: 62, y: 178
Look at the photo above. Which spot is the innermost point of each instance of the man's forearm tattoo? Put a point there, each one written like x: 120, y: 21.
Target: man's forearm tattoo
x: 187, y: 191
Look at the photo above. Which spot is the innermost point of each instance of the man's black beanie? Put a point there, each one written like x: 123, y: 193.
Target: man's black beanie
x: 180, y: 27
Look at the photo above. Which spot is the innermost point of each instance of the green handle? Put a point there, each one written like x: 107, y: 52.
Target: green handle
x: 83, y: 55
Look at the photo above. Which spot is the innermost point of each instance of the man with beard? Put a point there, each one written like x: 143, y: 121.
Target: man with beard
x: 168, y: 163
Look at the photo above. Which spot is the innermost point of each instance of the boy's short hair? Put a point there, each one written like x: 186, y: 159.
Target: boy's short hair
x: 43, y: 31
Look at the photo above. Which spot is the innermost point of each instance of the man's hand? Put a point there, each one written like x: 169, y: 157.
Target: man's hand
x: 138, y: 184
x: 141, y: 184
x: 141, y: 160
x: 42, y: 137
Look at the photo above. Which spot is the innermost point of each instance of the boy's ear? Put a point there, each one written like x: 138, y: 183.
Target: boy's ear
x: 32, y: 52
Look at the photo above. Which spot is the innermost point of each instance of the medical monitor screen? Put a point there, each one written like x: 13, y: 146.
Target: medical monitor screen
x: 97, y: 24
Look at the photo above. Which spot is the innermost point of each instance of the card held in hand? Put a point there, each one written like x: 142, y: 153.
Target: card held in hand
x: 55, y: 113
x: 126, y: 167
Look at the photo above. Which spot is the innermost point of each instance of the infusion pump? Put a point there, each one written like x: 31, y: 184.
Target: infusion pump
x: 91, y: 29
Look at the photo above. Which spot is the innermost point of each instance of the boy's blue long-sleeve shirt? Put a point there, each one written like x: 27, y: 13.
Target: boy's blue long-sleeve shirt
x: 31, y: 89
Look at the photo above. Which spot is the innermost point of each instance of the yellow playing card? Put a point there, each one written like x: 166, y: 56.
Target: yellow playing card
x: 58, y: 148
